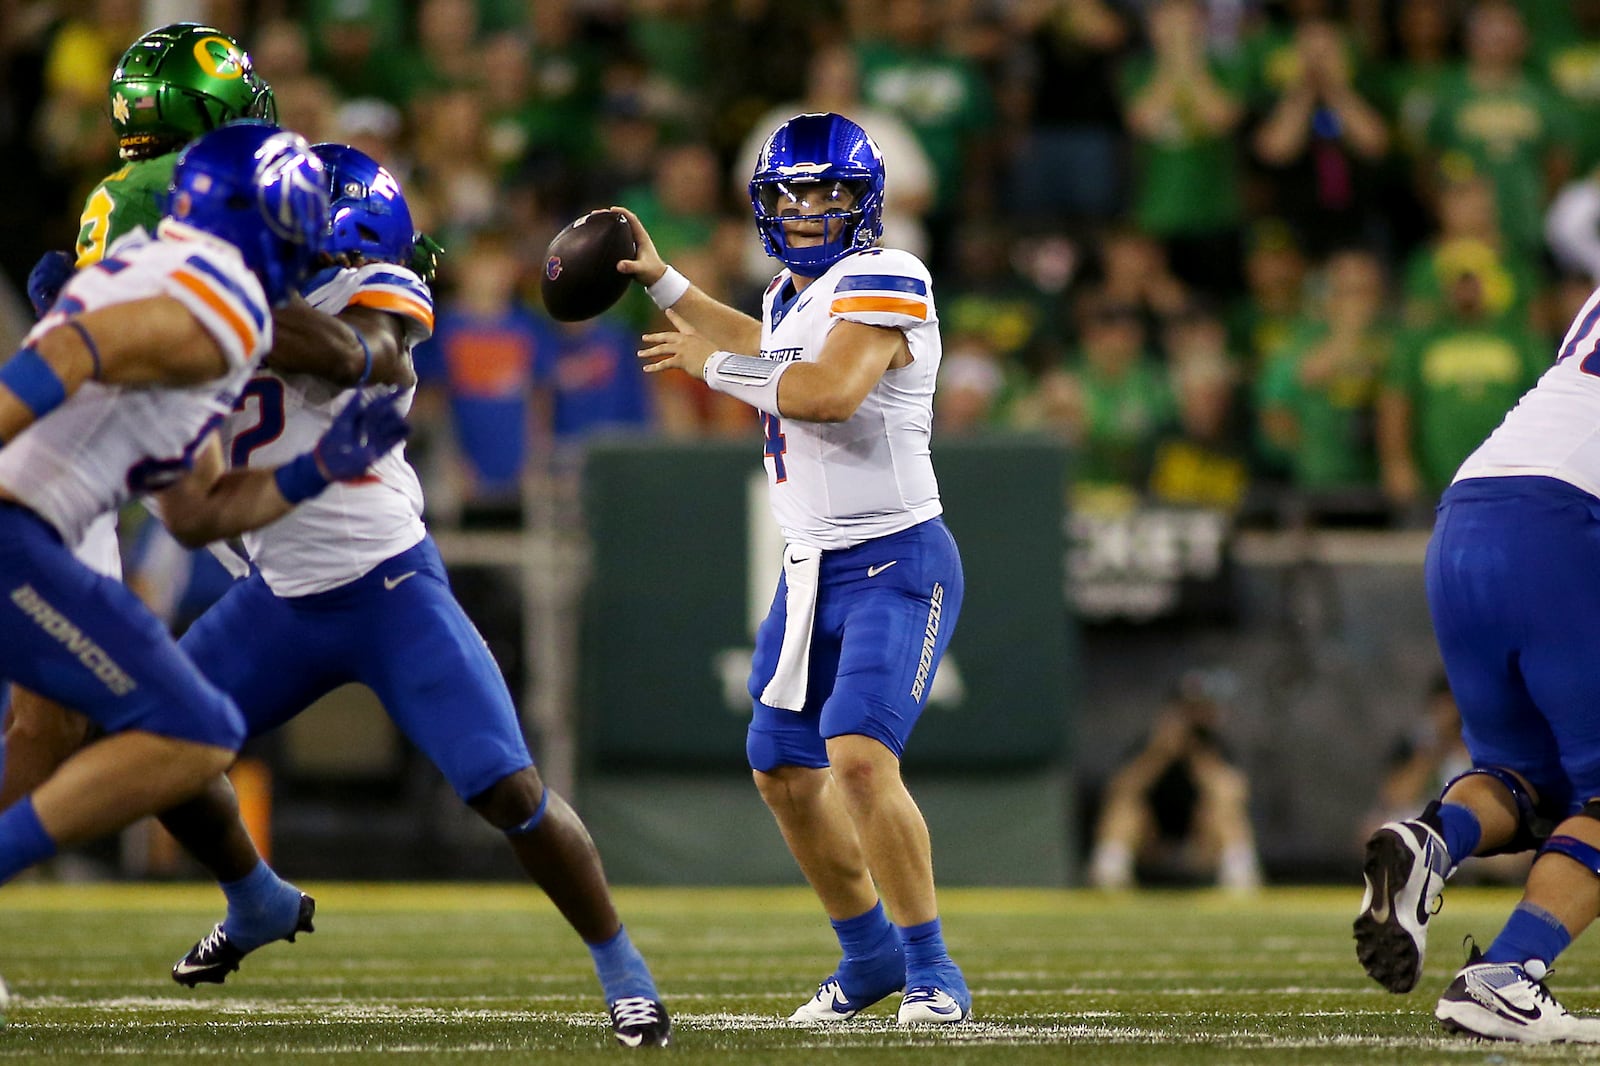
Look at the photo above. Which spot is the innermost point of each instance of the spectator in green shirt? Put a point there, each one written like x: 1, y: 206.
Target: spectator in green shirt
x: 1316, y: 398
x: 1568, y: 57
x: 1446, y: 387
x: 1182, y: 107
x: 1513, y: 128
x: 1469, y: 240
x: 1111, y: 400
x: 941, y: 95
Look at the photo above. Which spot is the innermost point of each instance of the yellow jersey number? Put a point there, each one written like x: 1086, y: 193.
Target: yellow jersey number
x: 95, y: 222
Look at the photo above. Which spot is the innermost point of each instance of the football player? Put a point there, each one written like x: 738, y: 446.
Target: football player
x: 117, y: 392
x: 171, y: 85
x: 841, y: 365
x: 1513, y: 585
x: 350, y: 588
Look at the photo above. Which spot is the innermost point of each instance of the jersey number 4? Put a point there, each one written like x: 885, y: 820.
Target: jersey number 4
x: 776, y: 445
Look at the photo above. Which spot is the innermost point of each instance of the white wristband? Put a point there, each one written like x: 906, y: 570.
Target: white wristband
x: 748, y: 378
x: 668, y: 289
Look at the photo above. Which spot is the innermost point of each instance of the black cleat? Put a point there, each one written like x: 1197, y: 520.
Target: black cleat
x: 640, y: 1022
x: 214, y: 957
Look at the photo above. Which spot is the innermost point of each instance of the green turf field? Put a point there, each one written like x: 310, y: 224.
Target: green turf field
x: 463, y: 975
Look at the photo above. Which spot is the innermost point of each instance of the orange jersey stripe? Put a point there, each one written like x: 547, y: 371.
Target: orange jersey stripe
x: 400, y: 305
x: 914, y: 308
x: 245, y: 332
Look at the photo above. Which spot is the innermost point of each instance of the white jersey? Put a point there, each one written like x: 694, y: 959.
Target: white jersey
x: 351, y: 526
x: 838, y: 484
x: 107, y: 444
x: 1554, y: 430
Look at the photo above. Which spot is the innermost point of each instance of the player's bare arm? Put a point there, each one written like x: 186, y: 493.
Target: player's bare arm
x: 308, y: 341
x: 853, y: 359
x: 212, y: 502
x: 154, y: 341
x: 728, y: 328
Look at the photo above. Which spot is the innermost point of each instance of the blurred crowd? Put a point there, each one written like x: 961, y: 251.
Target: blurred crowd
x: 1288, y: 259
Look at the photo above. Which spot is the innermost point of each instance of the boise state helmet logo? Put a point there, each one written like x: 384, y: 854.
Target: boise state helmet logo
x: 552, y: 267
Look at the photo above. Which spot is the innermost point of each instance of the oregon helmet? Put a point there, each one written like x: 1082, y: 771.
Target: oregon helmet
x: 177, y: 82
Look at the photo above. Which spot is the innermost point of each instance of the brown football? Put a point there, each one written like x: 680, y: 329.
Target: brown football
x: 580, y: 278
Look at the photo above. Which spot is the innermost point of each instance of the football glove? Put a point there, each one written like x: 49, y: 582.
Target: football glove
x: 47, y: 277
x: 362, y: 433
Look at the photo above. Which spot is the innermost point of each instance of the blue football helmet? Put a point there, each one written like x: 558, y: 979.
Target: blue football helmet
x: 261, y: 189
x: 369, y: 213
x: 824, y: 155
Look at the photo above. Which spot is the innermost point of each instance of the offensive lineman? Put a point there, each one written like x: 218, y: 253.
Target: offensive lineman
x: 1513, y: 583
x: 842, y: 367
x: 170, y: 86
x: 350, y: 588
x: 117, y: 392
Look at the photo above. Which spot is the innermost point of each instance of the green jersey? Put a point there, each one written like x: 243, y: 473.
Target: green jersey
x: 1335, y: 448
x: 1461, y: 380
x: 134, y: 196
x: 1124, y: 414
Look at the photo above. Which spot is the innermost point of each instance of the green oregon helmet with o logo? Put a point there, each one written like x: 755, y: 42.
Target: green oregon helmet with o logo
x: 177, y: 82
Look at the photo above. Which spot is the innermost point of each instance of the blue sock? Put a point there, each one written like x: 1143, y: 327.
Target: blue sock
x: 262, y: 907
x: 926, y: 955
x: 1460, y: 829
x: 1530, y: 933
x: 874, y: 963
x: 867, y: 935
x: 23, y: 841
x: 621, y: 969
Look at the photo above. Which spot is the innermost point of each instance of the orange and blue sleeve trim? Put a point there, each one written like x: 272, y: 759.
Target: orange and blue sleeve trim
x: 233, y: 308
x: 883, y: 293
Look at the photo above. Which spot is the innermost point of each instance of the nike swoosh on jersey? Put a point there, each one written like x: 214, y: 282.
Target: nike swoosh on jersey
x: 392, y: 583
x: 874, y: 571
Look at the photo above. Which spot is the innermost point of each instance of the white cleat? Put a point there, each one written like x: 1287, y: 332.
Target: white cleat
x: 1503, y: 1001
x: 1405, y: 871
x: 830, y: 1005
x: 926, y: 1005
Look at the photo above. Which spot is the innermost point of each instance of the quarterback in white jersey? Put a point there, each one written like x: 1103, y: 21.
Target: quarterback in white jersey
x: 1513, y: 584
x: 842, y: 367
x: 116, y: 394
x: 870, y: 475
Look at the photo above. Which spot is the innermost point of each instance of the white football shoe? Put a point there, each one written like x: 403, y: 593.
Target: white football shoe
x: 1405, y: 871
x: 1504, y: 1001
x: 830, y: 1005
x: 928, y: 1005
